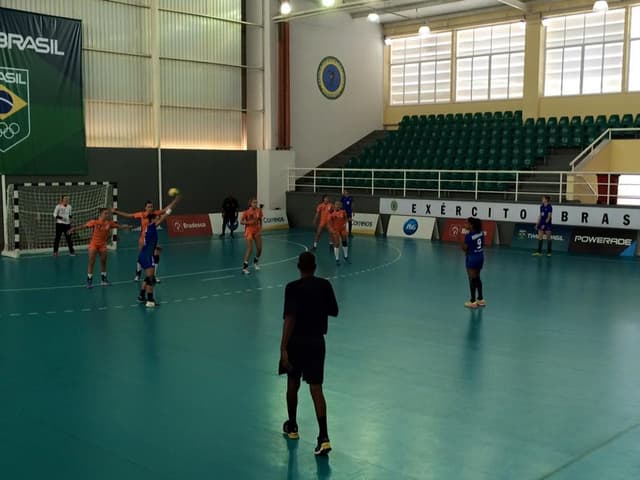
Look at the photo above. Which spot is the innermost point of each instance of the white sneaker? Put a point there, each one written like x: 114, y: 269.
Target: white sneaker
x: 256, y: 266
x: 150, y: 304
x: 246, y: 271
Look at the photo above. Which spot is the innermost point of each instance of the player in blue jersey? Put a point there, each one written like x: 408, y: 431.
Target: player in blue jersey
x: 347, y: 205
x: 473, y: 247
x: 543, y: 225
x: 147, y: 258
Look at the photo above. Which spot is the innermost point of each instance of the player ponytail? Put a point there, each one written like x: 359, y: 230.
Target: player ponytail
x: 476, y: 224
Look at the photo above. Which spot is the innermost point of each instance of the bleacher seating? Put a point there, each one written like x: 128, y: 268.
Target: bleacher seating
x: 501, y: 141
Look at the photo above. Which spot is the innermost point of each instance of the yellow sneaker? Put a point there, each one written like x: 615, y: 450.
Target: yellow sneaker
x: 536, y: 254
x: 471, y: 304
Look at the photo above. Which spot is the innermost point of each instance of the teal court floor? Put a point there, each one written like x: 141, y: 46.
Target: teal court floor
x: 543, y: 383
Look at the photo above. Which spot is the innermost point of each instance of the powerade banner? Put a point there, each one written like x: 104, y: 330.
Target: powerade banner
x: 525, y: 236
x: 621, y: 243
x: 456, y: 230
x: 41, y: 116
x: 575, y: 215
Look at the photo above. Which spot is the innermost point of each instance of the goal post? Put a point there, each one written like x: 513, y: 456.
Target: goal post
x: 29, y: 225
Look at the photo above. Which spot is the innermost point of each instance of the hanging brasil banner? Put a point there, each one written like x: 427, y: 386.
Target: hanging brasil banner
x: 41, y: 117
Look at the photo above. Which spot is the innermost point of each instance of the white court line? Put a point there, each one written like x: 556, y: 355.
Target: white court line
x: 217, y: 278
x: 177, y: 275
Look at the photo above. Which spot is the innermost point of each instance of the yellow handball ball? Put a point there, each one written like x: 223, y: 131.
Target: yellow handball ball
x: 173, y: 192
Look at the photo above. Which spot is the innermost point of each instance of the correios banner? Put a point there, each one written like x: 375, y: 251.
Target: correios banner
x: 41, y: 109
x: 574, y: 215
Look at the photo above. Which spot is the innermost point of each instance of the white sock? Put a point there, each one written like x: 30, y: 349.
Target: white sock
x: 138, y: 267
x: 346, y: 251
x: 89, y: 275
x: 336, y: 250
x: 315, y: 244
x: 104, y: 274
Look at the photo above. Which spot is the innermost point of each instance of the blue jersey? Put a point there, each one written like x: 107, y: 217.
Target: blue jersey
x: 347, y: 204
x: 545, y: 214
x: 150, y: 239
x: 475, y: 243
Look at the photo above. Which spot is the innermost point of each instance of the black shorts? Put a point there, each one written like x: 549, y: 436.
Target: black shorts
x: 306, y: 356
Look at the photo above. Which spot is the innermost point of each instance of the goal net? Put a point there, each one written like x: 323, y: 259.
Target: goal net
x: 29, y: 223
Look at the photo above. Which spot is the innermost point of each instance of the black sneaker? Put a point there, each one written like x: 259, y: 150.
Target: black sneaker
x: 323, y: 447
x: 290, y: 430
x: 141, y: 299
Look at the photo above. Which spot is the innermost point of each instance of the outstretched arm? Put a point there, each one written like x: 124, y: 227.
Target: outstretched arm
x: 171, y: 205
x: 122, y: 214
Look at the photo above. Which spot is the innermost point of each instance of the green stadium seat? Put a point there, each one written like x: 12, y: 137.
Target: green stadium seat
x: 588, y: 121
x: 576, y: 121
x: 508, y: 115
x: 590, y: 134
x: 627, y: 121
x: 529, y: 123
x: 565, y: 136
x: 614, y: 121
x: 541, y: 123
x: 564, y: 122
x: 636, y: 122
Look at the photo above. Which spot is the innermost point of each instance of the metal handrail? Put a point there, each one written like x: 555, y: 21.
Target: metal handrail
x: 608, y: 133
x: 366, y: 179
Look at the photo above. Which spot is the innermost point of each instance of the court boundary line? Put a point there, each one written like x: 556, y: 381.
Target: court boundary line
x: 589, y: 451
x: 213, y: 295
x: 176, y: 275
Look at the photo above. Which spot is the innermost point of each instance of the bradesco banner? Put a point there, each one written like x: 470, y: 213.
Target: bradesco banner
x: 188, y: 225
x: 525, y: 236
x: 455, y: 231
x: 41, y: 105
x: 216, y: 224
x: 410, y: 227
x: 616, y: 242
x: 365, y: 223
x: 274, y: 220
x: 574, y: 215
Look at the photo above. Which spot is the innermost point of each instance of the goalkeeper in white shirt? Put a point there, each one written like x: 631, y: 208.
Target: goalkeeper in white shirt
x: 62, y: 215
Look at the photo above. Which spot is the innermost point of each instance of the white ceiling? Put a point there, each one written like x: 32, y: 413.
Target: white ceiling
x: 392, y: 11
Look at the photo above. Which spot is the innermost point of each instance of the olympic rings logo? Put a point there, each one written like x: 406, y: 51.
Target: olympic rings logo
x: 9, y: 131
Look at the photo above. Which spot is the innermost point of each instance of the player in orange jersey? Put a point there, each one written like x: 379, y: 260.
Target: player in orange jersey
x: 322, y: 220
x: 102, y: 227
x: 338, y: 224
x: 143, y: 216
x: 252, y: 220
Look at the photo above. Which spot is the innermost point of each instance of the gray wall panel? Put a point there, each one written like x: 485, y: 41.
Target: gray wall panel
x: 206, y: 177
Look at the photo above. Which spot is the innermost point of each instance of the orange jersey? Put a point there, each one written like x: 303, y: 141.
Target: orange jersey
x: 324, y: 212
x: 101, y: 231
x: 338, y: 221
x: 144, y: 220
x: 252, y: 217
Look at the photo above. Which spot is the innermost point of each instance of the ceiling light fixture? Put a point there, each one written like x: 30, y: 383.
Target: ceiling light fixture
x: 600, y: 6
x: 328, y: 3
x: 373, y: 17
x: 424, y: 31
x: 285, y: 8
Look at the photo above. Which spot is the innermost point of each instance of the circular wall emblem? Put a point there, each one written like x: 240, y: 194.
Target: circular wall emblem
x: 331, y: 77
x: 394, y: 206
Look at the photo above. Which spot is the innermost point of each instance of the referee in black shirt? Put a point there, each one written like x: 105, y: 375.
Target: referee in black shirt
x: 229, y: 214
x: 307, y: 304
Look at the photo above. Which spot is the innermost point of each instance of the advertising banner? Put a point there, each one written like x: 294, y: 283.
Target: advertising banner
x: 411, y: 227
x: 188, y: 225
x: 573, y: 215
x: 615, y: 242
x: 365, y: 223
x: 216, y: 224
x: 525, y: 236
x: 274, y: 220
x: 41, y: 104
x: 455, y: 231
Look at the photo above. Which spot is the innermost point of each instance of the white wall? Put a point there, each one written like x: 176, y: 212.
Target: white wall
x: 273, y: 177
x: 321, y: 128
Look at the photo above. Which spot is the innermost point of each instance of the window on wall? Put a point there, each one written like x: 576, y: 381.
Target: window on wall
x: 584, y: 53
x: 421, y: 69
x: 634, y: 51
x: 490, y: 63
